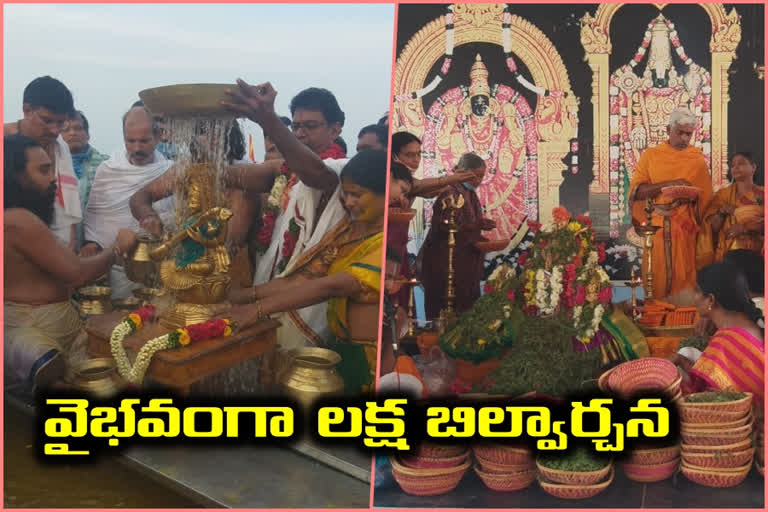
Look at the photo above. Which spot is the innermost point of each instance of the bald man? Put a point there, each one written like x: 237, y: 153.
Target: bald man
x: 116, y: 180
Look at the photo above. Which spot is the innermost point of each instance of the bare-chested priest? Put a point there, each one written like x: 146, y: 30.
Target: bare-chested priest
x: 43, y: 333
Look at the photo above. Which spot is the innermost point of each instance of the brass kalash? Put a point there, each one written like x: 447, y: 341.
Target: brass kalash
x: 193, y: 263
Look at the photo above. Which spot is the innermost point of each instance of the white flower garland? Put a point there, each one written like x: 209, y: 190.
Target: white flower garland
x: 278, y: 188
x: 135, y: 373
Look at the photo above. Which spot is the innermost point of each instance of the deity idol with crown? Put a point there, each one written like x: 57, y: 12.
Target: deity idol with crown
x: 197, y: 274
x: 497, y: 124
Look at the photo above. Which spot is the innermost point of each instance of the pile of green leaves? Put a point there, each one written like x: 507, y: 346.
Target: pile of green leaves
x: 578, y: 459
x: 715, y: 396
x: 542, y: 359
x: 483, y: 332
x: 698, y: 342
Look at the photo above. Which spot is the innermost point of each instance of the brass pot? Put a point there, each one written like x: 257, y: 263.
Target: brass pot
x: 188, y: 100
x: 126, y: 304
x: 95, y: 300
x: 146, y: 295
x: 140, y: 267
x: 311, y: 374
x: 97, y: 377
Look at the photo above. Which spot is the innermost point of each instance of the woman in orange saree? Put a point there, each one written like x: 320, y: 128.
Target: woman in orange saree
x: 727, y: 232
x: 734, y: 359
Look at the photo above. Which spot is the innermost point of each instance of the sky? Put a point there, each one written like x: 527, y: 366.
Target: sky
x: 106, y: 53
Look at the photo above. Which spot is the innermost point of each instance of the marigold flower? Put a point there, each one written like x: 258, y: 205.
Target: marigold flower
x: 136, y: 319
x: 184, y: 338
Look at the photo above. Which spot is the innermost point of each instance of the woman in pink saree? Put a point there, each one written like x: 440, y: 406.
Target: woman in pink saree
x: 734, y: 359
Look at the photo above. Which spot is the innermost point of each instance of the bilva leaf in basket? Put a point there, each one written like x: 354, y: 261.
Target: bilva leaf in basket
x: 578, y: 459
x: 542, y: 359
x: 697, y: 342
x: 715, y: 396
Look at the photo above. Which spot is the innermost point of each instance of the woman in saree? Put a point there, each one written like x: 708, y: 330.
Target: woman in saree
x: 720, y: 223
x: 344, y: 270
x: 734, y: 359
x: 406, y: 157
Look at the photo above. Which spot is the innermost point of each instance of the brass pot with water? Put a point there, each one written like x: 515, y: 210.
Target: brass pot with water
x: 310, y: 373
x: 140, y: 267
x: 98, y: 377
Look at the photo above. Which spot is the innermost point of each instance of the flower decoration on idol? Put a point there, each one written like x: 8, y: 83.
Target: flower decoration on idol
x: 562, y: 274
x: 134, y: 373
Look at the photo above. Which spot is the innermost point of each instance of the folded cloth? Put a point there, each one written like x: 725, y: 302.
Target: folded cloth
x: 67, y: 208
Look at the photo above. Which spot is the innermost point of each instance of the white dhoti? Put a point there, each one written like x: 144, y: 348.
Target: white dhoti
x: 40, y: 338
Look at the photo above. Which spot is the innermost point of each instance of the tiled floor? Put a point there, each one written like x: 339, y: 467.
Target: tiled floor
x: 673, y: 493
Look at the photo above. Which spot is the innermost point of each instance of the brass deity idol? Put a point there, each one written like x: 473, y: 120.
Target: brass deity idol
x: 197, y: 275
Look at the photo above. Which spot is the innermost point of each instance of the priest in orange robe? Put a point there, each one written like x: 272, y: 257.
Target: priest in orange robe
x: 673, y: 163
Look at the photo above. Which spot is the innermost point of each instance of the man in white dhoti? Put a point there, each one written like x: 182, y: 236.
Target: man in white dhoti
x: 116, y: 180
x: 47, y: 104
x: 42, y: 332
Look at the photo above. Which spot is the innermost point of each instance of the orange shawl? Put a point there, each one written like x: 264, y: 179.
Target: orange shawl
x: 721, y: 244
x: 657, y: 165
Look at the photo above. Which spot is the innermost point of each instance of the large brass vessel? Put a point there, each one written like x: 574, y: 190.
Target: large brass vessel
x: 311, y: 374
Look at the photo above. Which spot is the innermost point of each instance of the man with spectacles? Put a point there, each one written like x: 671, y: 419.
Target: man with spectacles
x: 47, y: 103
x: 85, y: 158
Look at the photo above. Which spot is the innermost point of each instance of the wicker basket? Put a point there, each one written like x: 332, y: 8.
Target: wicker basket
x: 502, y: 454
x: 574, y: 477
x: 720, y: 460
x: 723, y: 448
x: 717, y: 431
x: 575, y: 492
x: 737, y: 406
x: 421, y: 462
x: 651, y: 456
x: 500, y: 467
x: 714, y: 438
x: 646, y: 374
x: 427, y: 482
x: 602, y: 382
x: 651, y: 472
x: 725, y: 425
x: 698, y: 416
x: 720, y: 478
x: 506, y: 482
x: 426, y: 449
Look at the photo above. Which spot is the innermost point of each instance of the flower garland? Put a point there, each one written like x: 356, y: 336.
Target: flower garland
x: 276, y: 203
x: 444, y: 67
x: 576, y: 282
x: 175, y: 339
